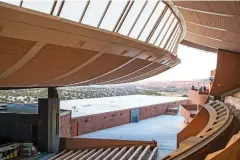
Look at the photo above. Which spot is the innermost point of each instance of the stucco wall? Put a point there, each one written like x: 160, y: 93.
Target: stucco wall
x: 184, y: 111
x: 196, y: 98
x: 95, y: 122
x: 91, y: 123
x: 152, y: 110
x: 227, y: 73
x: 158, y: 109
x: 65, y: 124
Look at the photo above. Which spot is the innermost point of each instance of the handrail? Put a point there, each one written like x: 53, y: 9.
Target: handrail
x: 220, y: 120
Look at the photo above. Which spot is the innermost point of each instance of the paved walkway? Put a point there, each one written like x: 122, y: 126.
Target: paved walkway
x: 162, y: 129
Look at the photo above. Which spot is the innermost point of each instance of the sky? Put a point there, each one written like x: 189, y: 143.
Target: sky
x: 195, y: 64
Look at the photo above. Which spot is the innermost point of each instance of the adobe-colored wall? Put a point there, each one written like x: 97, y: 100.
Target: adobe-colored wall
x: 227, y: 75
x: 91, y: 123
x: 184, y: 111
x: 95, y: 122
x: 158, y: 109
x: 65, y: 124
x: 152, y: 110
x: 196, y: 98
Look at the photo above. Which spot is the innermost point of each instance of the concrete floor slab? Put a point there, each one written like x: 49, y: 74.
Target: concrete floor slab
x: 162, y: 129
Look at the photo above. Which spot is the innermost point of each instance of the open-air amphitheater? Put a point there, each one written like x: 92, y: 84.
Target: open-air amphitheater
x: 49, y: 44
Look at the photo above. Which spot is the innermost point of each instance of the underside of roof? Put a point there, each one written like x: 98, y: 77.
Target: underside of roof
x: 214, y: 24
x: 43, y: 50
x: 198, y: 46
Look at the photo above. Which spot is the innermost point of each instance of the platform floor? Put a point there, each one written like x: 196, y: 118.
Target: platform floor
x: 162, y: 129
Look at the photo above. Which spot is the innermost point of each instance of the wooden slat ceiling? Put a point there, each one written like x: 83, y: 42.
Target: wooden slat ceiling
x: 199, y: 46
x: 212, y: 23
x: 39, y: 50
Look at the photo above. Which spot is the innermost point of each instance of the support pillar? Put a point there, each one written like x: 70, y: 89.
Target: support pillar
x: 48, y: 126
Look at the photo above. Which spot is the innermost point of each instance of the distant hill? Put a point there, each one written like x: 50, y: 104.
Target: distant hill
x: 159, y: 84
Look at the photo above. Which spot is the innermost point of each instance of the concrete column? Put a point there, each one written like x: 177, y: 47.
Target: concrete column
x: 48, y: 125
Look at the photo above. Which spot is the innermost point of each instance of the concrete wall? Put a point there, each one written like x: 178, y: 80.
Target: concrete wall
x: 91, y: 123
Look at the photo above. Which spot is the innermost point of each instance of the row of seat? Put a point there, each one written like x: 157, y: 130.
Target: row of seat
x: 219, y: 116
x: 232, y: 149
x: 124, y: 153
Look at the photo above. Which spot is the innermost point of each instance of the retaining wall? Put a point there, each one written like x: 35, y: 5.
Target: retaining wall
x: 95, y: 122
x: 65, y: 123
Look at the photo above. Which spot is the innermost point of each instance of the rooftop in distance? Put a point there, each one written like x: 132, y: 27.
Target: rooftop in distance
x: 83, y: 107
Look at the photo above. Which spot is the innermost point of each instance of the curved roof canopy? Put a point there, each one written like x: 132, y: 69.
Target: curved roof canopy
x: 85, y: 42
x: 213, y: 24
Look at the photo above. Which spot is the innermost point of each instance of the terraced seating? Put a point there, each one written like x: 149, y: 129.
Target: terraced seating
x: 212, y: 137
x: 231, y: 151
x: 124, y: 153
